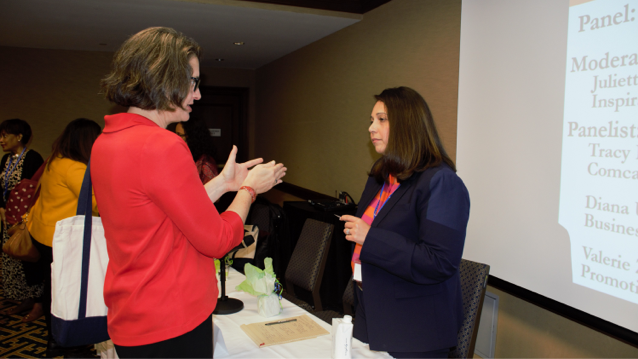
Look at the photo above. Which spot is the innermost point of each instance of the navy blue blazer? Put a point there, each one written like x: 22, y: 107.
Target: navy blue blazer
x: 410, y: 261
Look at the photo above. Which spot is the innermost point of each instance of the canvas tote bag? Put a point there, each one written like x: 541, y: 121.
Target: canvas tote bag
x: 77, y: 275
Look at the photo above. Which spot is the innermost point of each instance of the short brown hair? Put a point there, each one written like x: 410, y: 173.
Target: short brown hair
x: 413, y: 143
x: 151, y: 70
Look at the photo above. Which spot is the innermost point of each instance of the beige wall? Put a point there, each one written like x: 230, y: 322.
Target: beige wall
x: 50, y: 88
x: 313, y: 106
x: 313, y: 109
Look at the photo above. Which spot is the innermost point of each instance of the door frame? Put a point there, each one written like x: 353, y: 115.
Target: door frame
x: 240, y: 127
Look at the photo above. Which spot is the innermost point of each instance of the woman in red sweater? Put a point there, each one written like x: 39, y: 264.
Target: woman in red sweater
x: 162, y: 229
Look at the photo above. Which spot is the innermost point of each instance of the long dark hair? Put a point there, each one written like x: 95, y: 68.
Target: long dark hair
x: 413, y: 143
x: 76, y: 140
x: 198, y: 138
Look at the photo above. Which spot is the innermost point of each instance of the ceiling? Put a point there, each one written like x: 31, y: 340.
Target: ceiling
x: 353, y: 6
x: 268, y: 29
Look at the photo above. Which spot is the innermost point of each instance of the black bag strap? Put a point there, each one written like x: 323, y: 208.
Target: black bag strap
x: 85, y: 208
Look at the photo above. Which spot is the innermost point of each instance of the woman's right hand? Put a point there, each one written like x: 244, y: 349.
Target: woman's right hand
x: 233, y: 174
x: 265, y: 176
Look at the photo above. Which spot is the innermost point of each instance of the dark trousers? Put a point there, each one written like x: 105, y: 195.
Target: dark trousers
x: 197, y: 343
x: 33, y: 271
x: 43, y: 267
x: 361, y: 332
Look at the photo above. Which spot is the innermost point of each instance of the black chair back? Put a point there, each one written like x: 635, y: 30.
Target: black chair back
x: 473, y: 284
x: 308, y: 260
x: 348, y: 299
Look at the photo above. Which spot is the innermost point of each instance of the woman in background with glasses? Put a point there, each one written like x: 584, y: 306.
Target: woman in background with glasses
x: 20, y: 162
x: 162, y: 230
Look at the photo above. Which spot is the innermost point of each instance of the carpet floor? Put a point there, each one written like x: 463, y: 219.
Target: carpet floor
x: 18, y: 339
x: 22, y: 340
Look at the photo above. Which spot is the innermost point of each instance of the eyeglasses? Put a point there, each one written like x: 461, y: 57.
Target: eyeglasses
x: 195, y: 81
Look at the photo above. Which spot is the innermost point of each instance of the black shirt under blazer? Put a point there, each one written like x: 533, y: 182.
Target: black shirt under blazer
x: 410, y: 260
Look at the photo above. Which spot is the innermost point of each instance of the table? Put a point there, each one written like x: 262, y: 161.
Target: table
x: 239, y: 345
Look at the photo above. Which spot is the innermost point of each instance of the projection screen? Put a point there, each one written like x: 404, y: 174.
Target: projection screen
x: 548, y: 148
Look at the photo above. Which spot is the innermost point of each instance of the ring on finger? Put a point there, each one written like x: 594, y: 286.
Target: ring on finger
x: 347, y: 232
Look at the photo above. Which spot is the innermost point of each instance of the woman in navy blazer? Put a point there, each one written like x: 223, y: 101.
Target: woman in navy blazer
x: 408, y: 234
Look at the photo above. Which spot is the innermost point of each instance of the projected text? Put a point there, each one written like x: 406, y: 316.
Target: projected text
x: 599, y: 166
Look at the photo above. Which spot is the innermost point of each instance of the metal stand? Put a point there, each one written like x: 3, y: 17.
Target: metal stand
x: 226, y: 305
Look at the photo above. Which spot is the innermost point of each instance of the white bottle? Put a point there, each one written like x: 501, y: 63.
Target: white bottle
x: 342, y: 337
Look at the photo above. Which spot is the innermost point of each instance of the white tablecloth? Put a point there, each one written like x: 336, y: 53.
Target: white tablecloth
x: 239, y: 345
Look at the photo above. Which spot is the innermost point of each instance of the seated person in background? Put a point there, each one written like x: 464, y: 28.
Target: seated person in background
x: 200, y: 142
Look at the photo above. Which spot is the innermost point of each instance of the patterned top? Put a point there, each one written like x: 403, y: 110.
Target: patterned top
x: 207, y: 168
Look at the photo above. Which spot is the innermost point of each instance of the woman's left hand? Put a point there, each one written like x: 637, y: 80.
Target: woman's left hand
x: 356, y: 229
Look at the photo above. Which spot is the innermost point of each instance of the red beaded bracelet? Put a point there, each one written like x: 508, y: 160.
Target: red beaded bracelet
x: 251, y: 191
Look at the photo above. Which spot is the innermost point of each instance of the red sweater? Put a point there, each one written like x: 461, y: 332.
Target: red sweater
x: 162, y: 232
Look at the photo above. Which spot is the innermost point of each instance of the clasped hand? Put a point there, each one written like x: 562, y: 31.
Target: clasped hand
x: 356, y: 229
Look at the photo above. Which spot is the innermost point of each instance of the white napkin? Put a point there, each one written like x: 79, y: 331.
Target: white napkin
x: 218, y: 343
